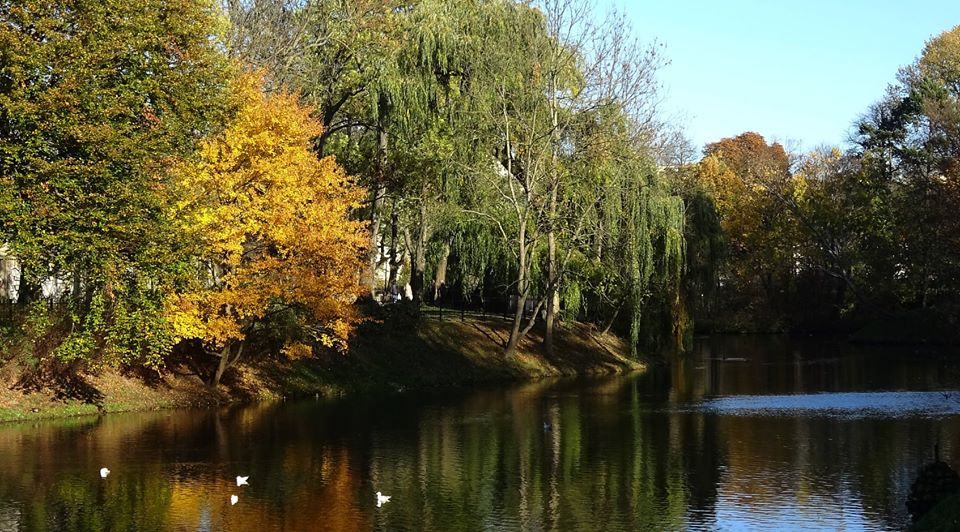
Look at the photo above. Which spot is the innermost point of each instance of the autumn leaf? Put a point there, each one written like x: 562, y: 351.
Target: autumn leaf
x: 270, y: 224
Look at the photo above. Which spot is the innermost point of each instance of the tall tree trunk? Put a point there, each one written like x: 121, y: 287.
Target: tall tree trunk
x: 522, y: 292
x: 226, y: 362
x: 418, y: 249
x: 613, y: 319
x: 418, y: 265
x: 76, y: 292
x: 416, y: 246
x: 28, y: 290
x: 840, y: 294
x: 633, y: 275
x: 394, y: 263
x: 440, y: 276
x: 514, y: 340
x: 599, y: 236
x: 373, y: 258
x: 373, y: 253
x: 553, y: 295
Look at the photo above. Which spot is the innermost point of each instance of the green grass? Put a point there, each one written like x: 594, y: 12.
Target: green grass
x: 70, y: 409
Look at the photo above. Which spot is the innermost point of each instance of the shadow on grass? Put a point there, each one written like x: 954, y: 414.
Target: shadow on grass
x: 404, y: 350
x: 64, y: 381
x: 429, y: 353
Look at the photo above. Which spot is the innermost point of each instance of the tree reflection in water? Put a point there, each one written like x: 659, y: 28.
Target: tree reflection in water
x: 626, y: 453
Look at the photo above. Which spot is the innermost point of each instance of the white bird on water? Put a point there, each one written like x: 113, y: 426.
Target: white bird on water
x: 381, y: 498
x: 242, y: 481
x: 104, y: 472
x: 234, y: 499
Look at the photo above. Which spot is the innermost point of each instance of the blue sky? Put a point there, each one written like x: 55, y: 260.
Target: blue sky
x: 798, y: 70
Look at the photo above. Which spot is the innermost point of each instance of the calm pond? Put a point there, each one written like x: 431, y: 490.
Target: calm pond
x: 746, y: 433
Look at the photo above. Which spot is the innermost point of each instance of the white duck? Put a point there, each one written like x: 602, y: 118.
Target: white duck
x: 242, y: 481
x: 104, y: 472
x: 381, y: 498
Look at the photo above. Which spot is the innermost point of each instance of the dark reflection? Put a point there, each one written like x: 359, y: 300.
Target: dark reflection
x: 635, y: 453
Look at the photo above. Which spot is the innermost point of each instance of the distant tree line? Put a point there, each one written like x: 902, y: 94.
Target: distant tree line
x: 832, y: 239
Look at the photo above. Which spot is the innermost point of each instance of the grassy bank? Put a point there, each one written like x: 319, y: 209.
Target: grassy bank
x: 427, y: 353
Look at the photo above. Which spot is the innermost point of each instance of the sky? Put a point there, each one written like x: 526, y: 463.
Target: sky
x: 799, y: 72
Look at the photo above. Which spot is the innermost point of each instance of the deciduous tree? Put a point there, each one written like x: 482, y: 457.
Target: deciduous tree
x: 96, y: 99
x: 270, y: 223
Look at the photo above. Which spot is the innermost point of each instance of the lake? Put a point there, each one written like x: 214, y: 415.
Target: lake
x: 746, y: 433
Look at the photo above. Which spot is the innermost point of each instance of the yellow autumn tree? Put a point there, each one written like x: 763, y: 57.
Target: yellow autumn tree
x: 751, y: 184
x: 271, y: 229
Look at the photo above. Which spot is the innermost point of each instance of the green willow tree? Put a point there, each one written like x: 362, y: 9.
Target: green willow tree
x: 462, y: 119
x: 432, y: 152
x: 342, y: 56
x: 510, y: 109
x: 634, y: 259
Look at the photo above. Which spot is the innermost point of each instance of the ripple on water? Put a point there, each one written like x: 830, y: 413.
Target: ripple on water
x: 846, y: 404
x: 10, y: 516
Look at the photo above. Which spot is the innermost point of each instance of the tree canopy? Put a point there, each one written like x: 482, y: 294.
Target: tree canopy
x: 205, y: 176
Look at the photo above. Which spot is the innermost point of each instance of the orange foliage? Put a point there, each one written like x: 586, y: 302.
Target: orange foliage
x: 750, y: 180
x: 270, y: 225
x: 750, y: 157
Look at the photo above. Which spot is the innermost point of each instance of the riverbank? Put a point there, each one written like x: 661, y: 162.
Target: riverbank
x: 383, y: 357
x: 903, y: 328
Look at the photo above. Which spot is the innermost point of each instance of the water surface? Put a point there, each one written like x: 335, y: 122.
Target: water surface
x: 745, y: 434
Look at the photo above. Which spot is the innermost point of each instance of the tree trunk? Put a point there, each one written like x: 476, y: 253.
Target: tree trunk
x: 394, y: 263
x: 76, y: 292
x: 373, y: 253
x: 28, y: 291
x: 225, y: 363
x: 440, y: 276
x: 377, y: 190
x: 613, y: 319
x: 522, y: 292
x: 553, y: 296
x: 416, y: 277
x: 221, y: 366
x: 511, y: 349
x: 840, y: 294
x: 598, y: 243
x: 418, y: 249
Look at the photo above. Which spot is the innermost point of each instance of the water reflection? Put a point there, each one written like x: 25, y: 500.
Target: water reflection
x: 613, y: 454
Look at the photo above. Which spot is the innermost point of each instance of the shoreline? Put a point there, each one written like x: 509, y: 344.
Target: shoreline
x: 383, y: 357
